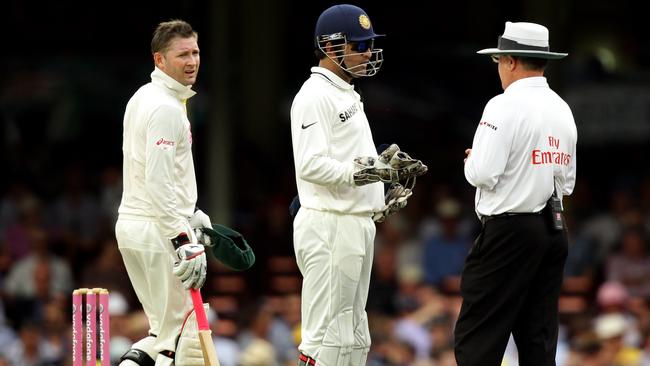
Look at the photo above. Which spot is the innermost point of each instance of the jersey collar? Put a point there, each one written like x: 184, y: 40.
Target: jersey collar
x: 535, y: 81
x: 181, y: 91
x: 331, y: 77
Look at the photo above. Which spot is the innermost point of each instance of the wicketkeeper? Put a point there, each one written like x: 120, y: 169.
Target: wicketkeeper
x: 340, y: 180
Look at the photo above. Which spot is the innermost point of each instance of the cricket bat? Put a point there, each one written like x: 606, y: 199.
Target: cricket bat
x: 205, y: 334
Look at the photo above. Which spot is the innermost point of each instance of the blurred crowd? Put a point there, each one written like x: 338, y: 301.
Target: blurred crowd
x: 50, y: 245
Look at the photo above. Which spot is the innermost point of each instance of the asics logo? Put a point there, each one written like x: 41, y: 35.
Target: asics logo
x: 162, y: 141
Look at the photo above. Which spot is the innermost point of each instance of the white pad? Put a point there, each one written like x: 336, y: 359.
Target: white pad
x: 338, y: 341
x: 359, y: 356
x: 362, y: 333
x: 163, y: 360
x: 361, y: 342
x: 188, y: 350
x: 146, y: 345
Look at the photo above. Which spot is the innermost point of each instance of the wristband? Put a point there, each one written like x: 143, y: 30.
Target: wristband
x: 181, y: 239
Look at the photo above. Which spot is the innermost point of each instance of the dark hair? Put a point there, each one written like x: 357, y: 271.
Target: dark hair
x: 319, y: 54
x: 532, y: 63
x: 166, y: 31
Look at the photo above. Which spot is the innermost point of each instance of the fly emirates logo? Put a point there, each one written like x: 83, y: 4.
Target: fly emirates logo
x: 551, y: 156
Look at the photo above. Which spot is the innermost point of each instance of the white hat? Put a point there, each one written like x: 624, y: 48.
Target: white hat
x: 524, y: 39
x: 610, y: 325
x: 258, y: 353
x: 117, y: 304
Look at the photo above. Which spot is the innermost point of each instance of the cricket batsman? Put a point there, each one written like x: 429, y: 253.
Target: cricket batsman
x: 157, y: 214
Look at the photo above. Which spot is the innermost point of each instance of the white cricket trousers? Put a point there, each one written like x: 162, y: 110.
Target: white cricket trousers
x: 334, y: 253
x: 148, y: 258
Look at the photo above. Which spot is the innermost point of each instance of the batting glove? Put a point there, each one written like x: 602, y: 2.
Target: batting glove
x: 200, y: 219
x: 191, y: 267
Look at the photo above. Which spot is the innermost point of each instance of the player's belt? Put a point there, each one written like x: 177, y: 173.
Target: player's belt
x: 306, y: 360
x: 485, y: 219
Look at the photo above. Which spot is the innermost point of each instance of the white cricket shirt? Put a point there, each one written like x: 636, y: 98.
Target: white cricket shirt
x: 329, y: 129
x: 526, y: 136
x: 159, y: 180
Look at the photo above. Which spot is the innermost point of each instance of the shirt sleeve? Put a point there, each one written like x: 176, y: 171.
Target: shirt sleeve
x: 311, y: 136
x: 491, y: 146
x: 564, y: 170
x: 164, y: 131
x: 570, y: 179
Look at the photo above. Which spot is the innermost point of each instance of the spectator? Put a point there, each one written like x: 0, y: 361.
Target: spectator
x: 37, y: 279
x: 14, y: 236
x: 107, y: 270
x: 110, y: 196
x: 258, y: 353
x: 282, y: 328
x: 76, y: 214
x: 7, y: 334
x: 383, y: 287
x: 631, y: 264
x: 610, y: 329
x: 445, y: 252
x: 23, y: 279
x: 606, y: 227
x: 30, y: 349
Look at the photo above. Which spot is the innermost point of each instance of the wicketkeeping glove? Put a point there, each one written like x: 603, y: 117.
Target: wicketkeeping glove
x: 396, y: 199
x: 391, y: 166
x: 191, y: 267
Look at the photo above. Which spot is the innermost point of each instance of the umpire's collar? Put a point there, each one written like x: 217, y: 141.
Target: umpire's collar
x: 331, y: 77
x: 534, y: 81
x: 181, y: 91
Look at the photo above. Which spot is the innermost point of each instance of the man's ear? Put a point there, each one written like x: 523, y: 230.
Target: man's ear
x: 332, y: 48
x: 159, y: 60
x: 328, y: 47
x: 511, y: 63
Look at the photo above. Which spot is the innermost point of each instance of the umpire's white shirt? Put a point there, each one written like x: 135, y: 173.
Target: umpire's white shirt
x: 526, y: 136
x: 329, y: 129
x: 159, y: 179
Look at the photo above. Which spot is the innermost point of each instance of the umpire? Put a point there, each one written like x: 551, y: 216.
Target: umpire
x: 522, y: 162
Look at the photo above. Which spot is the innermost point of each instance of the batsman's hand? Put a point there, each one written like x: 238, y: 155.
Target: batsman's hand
x: 191, y: 266
x: 395, y: 199
x: 200, y: 219
x: 391, y: 166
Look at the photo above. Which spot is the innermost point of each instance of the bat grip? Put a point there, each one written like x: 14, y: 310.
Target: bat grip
x: 197, y: 301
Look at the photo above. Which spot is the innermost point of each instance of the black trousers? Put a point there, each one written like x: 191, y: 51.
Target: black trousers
x: 511, y: 284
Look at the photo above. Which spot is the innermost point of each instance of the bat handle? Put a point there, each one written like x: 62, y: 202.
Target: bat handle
x: 197, y: 301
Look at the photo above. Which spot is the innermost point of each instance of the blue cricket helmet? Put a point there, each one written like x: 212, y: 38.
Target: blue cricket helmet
x: 344, y: 20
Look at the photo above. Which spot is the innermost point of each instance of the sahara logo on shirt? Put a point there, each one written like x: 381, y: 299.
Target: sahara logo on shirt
x: 551, y: 157
x: 487, y: 124
x: 348, y: 113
